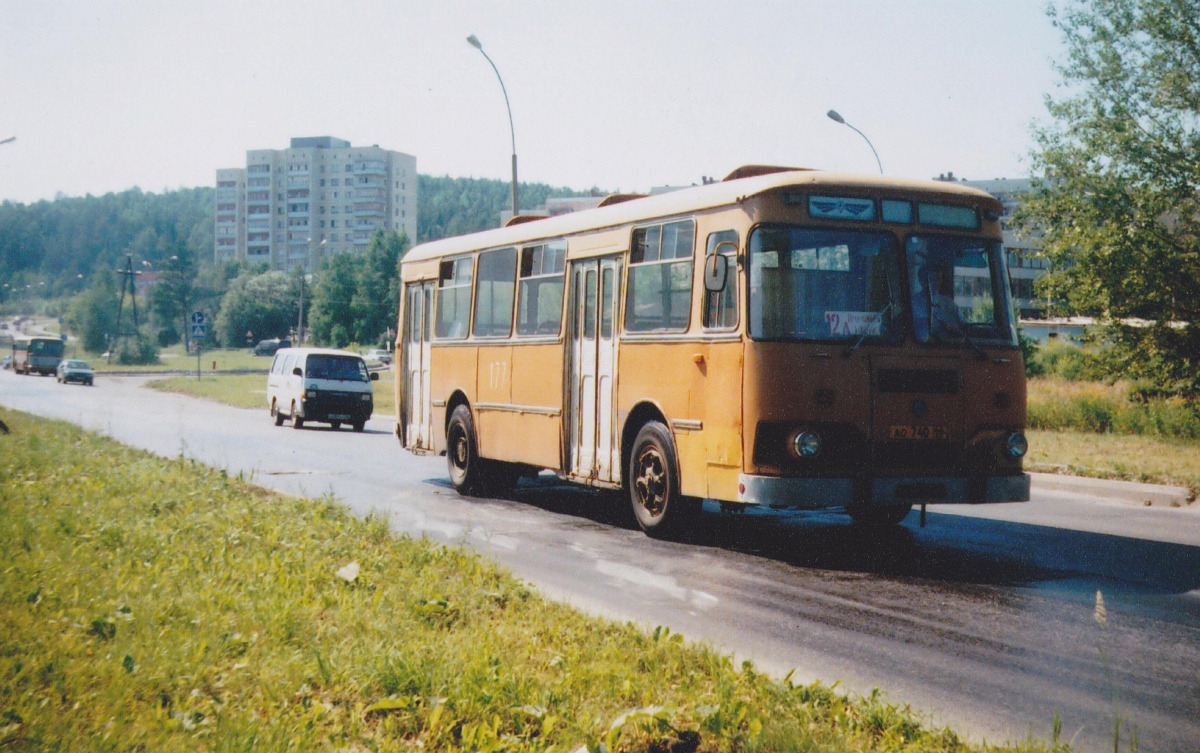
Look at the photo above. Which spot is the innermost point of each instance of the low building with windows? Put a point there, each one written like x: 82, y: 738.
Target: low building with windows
x: 321, y: 196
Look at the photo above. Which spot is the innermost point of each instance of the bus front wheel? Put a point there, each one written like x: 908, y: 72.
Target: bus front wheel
x: 658, y: 505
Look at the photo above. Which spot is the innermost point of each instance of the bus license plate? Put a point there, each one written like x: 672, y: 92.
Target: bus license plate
x: 918, y: 432
x: 342, y: 416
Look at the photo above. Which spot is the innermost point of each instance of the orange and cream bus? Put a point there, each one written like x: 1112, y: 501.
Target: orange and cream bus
x: 790, y: 338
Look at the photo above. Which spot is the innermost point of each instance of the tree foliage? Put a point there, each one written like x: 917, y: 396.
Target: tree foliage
x: 92, y: 314
x: 57, y: 241
x: 455, y: 206
x: 356, y: 298
x: 1120, y: 201
x: 264, y: 303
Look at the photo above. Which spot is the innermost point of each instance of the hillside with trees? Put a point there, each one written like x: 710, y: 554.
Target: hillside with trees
x: 455, y: 206
x: 56, y: 246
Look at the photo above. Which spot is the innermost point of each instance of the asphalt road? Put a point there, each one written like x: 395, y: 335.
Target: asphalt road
x: 983, y: 620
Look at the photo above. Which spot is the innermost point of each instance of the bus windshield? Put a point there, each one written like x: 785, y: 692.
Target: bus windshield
x: 341, y: 368
x: 809, y: 284
x: 959, y: 290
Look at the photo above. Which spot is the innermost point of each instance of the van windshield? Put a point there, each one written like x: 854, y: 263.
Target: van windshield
x: 341, y: 368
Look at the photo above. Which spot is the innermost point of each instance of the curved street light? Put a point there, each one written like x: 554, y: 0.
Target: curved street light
x: 474, y: 42
x: 835, y: 117
x: 9, y: 140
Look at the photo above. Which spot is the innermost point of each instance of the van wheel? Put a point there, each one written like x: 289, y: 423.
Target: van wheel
x: 462, y: 454
x: 359, y: 426
x: 878, y: 516
x: 275, y: 414
x: 297, y: 420
x: 335, y: 425
x: 661, y: 510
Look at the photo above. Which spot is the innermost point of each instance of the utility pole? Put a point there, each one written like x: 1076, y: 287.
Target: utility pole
x: 127, y: 281
x: 300, y: 316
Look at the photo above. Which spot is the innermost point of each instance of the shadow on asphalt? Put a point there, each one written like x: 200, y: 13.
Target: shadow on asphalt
x: 953, y: 549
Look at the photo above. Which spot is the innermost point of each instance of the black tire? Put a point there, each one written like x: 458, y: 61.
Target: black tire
x: 275, y: 414
x: 878, y: 516
x: 658, y: 506
x: 462, y: 454
x: 358, y: 426
x: 297, y: 419
x: 335, y: 425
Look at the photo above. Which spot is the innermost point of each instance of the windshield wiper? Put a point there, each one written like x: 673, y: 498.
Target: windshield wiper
x: 866, y: 330
x: 961, y: 331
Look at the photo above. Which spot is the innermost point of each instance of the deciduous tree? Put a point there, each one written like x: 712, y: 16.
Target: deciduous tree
x: 1120, y: 200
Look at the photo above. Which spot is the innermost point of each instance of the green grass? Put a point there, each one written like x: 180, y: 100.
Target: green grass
x: 153, y: 604
x: 175, y: 359
x: 1152, y: 460
x: 250, y: 390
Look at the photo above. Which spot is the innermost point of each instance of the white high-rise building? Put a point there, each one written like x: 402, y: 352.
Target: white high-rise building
x: 319, y: 197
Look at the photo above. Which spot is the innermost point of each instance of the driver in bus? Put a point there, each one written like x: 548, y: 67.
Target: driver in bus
x: 944, y: 315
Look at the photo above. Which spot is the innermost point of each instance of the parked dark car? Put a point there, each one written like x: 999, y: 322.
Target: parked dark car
x: 269, y: 347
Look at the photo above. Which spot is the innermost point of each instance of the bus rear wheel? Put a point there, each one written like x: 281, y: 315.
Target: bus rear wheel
x: 659, y: 507
x: 878, y: 516
x: 462, y: 455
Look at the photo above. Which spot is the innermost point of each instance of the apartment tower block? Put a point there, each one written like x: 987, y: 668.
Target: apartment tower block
x: 294, y: 207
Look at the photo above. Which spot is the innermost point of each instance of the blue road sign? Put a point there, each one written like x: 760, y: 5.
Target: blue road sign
x: 198, y: 318
x: 199, y: 331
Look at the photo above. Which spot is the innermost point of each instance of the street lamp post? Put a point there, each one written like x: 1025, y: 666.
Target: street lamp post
x: 474, y: 42
x: 835, y: 117
x: 9, y: 140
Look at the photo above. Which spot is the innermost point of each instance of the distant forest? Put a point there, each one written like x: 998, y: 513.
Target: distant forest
x: 57, y: 245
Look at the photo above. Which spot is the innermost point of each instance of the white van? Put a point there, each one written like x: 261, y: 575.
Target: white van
x: 320, y: 384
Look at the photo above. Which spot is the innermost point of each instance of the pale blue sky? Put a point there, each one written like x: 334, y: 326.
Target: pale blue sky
x: 103, y: 96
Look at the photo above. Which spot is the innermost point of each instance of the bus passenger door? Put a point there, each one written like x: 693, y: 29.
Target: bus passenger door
x: 418, y: 411
x: 593, y: 449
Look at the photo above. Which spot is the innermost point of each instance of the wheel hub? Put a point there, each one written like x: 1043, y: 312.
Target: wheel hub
x: 651, y: 482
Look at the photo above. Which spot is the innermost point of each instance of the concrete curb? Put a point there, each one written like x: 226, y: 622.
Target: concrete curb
x: 1123, y: 491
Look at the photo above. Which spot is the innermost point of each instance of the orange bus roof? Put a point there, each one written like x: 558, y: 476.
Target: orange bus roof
x: 682, y: 202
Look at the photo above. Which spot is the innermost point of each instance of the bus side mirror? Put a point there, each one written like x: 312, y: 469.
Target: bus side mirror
x: 716, y: 268
x: 374, y: 376
x: 297, y: 372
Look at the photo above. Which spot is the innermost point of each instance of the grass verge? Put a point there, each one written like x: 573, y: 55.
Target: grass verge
x: 1151, y: 460
x: 250, y: 390
x: 152, y: 604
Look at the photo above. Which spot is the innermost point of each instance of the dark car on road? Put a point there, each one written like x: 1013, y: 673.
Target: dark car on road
x: 74, y: 371
x: 270, y: 347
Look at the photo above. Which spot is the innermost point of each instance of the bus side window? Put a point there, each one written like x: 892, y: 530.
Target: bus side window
x: 721, y: 308
x: 539, y: 308
x: 658, y: 297
x: 494, y: 288
x: 453, y: 299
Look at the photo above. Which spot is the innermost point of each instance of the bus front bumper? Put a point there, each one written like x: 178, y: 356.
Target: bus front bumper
x: 818, y: 493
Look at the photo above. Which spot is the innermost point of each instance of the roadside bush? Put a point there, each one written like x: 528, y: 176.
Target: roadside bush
x: 1064, y: 360
x: 1029, y: 354
x: 1059, y: 404
x: 137, y: 351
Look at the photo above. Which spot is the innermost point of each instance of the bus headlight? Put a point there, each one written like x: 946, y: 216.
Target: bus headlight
x: 366, y: 397
x: 806, y: 443
x: 312, y: 392
x: 1016, y: 445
